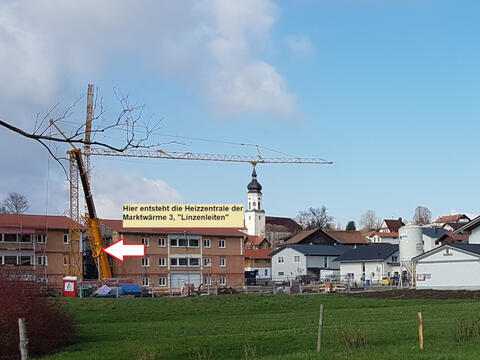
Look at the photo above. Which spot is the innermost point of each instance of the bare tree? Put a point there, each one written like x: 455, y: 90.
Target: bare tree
x: 370, y: 221
x: 14, y: 203
x: 314, y: 218
x: 128, y: 130
x: 422, y: 215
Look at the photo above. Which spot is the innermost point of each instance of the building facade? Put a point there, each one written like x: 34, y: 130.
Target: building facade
x: 175, y: 257
x: 40, y: 247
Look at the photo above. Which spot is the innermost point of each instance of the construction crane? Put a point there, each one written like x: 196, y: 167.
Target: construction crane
x: 77, y: 169
x: 176, y: 155
x: 92, y: 223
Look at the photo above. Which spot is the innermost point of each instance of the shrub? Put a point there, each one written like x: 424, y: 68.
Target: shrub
x: 352, y: 336
x: 48, y: 326
x: 465, y: 329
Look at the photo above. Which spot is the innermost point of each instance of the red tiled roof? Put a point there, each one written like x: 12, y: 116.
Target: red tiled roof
x: 394, y: 224
x: 301, y: 235
x: 450, y: 218
x: 258, y: 253
x: 117, y: 225
x: 289, y: 223
x: 450, y: 237
x: 256, y: 240
x: 37, y: 221
x: 385, y: 234
x: 348, y: 237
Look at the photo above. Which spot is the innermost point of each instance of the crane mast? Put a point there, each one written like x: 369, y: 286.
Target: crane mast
x: 91, y: 220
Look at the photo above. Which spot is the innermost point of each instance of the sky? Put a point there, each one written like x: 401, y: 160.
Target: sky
x: 387, y: 90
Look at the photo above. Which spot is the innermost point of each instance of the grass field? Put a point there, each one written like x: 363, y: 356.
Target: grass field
x: 264, y: 327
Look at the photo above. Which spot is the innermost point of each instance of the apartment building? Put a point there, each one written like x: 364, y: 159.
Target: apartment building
x: 174, y: 256
x: 37, y: 246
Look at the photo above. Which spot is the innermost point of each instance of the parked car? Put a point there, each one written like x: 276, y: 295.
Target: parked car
x: 386, y: 281
x: 305, y: 279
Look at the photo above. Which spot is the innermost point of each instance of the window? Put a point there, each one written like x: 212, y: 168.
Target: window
x: 145, y: 261
x: 182, y: 262
x: 10, y: 260
x: 325, y: 261
x: 10, y: 237
x: 193, y: 243
x: 222, y: 262
x: 194, y: 262
x: 223, y: 280
x: 25, y: 260
x: 162, y: 281
x: 206, y: 243
x: 162, y: 262
x: 174, y: 261
x: 162, y: 242
x: 281, y: 273
x: 26, y: 238
x: 207, y: 262
x: 394, y: 258
x: 221, y: 243
x: 42, y: 260
x: 41, y: 239
x: 207, y: 280
x: 146, y: 241
x: 296, y: 258
x: 266, y: 272
x: 145, y: 281
x: 66, y: 238
x: 1, y: 260
x: 65, y: 260
x: 281, y: 259
x: 267, y: 261
x: 182, y: 242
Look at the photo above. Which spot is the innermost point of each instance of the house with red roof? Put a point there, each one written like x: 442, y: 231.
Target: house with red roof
x: 258, y: 265
x: 442, y: 221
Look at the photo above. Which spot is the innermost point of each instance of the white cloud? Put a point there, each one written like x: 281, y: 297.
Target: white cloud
x: 208, y: 44
x: 114, y: 187
x: 299, y: 44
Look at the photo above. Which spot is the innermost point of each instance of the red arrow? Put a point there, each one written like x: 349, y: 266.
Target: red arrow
x: 119, y: 250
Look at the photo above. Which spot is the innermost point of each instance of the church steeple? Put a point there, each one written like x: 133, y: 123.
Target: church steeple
x: 254, y: 186
x: 255, y: 215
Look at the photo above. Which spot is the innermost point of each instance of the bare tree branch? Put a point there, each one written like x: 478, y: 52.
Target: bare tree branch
x: 128, y: 130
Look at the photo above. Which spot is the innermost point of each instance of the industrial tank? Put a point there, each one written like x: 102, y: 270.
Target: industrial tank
x: 410, y: 242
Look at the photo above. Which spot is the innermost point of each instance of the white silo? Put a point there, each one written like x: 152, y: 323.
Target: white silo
x: 410, y: 245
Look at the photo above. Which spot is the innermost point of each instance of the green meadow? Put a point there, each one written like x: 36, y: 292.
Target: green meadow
x: 265, y: 327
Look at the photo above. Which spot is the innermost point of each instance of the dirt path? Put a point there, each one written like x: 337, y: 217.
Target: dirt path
x: 420, y: 294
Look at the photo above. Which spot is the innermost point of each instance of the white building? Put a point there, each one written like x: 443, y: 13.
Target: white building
x: 449, y: 267
x: 371, y: 262
x: 293, y: 260
x: 383, y: 237
x: 255, y: 215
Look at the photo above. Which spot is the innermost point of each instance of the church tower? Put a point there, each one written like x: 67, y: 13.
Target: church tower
x: 255, y: 215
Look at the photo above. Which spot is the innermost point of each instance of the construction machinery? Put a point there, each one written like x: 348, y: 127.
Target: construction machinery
x: 80, y: 169
x: 92, y: 223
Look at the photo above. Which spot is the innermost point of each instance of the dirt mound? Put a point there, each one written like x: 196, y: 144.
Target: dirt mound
x: 407, y: 294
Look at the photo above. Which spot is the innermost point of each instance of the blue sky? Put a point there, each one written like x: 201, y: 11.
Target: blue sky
x: 388, y: 90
